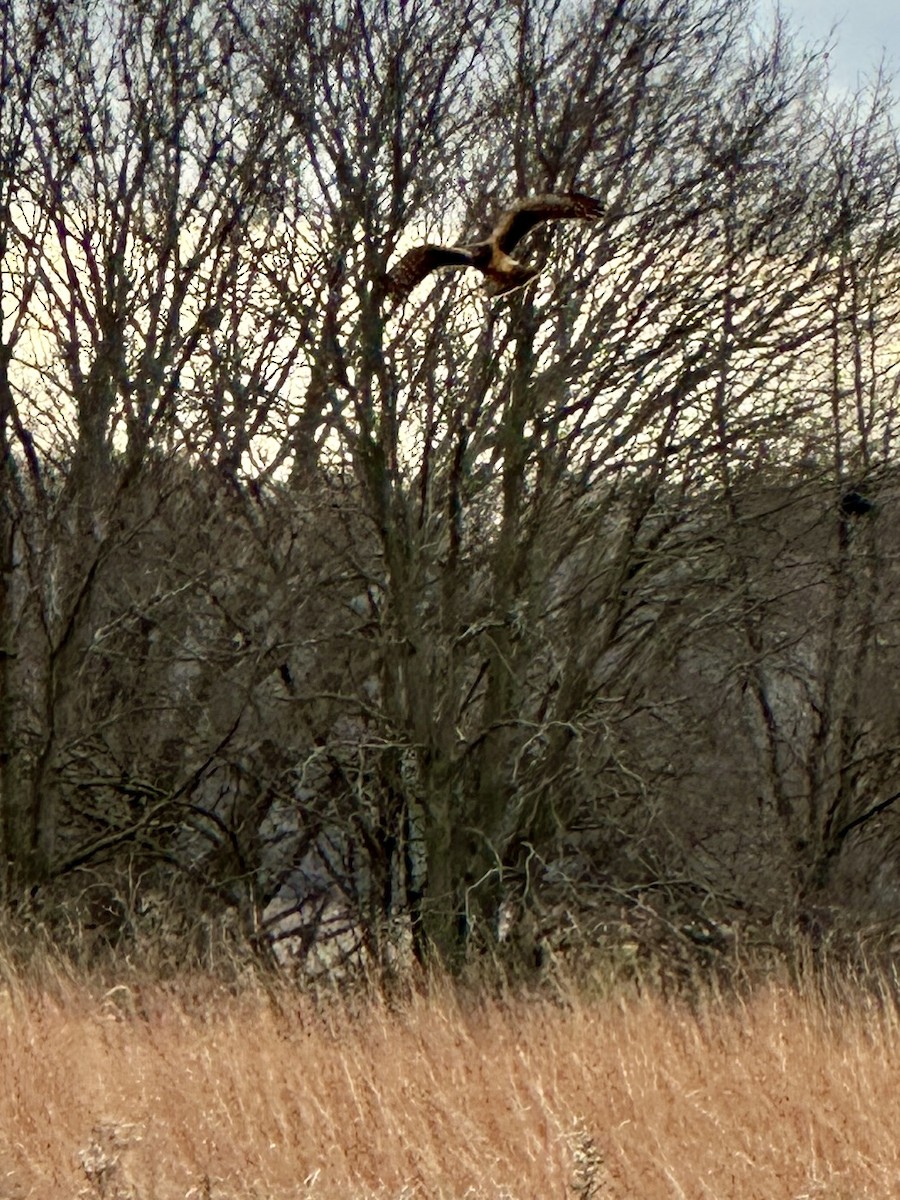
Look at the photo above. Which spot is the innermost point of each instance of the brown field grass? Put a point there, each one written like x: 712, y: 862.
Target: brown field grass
x: 151, y: 1092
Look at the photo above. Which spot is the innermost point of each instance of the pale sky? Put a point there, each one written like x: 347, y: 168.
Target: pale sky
x: 865, y: 31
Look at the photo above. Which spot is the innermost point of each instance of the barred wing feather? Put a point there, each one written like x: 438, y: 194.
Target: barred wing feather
x: 520, y: 218
x: 416, y: 264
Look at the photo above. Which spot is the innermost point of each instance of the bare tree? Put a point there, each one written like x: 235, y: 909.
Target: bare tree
x: 522, y: 463
x: 144, y: 172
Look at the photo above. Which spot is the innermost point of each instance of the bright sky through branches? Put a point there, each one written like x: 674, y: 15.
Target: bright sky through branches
x: 864, y: 33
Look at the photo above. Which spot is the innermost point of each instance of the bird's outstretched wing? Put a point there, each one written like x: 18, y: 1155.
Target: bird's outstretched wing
x: 522, y: 216
x: 419, y: 262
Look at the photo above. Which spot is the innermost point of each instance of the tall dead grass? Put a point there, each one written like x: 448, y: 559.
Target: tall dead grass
x: 148, y: 1092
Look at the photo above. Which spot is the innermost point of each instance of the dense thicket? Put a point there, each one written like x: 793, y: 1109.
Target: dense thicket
x: 462, y: 620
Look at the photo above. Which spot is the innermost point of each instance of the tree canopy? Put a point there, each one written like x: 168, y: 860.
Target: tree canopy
x: 442, y: 613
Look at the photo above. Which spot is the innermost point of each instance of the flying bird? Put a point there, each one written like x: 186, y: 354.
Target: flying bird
x: 493, y: 255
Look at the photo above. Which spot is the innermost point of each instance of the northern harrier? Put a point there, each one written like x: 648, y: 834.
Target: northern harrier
x: 492, y: 256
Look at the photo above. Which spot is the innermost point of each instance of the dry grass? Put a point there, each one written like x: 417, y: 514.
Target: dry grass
x: 150, y: 1093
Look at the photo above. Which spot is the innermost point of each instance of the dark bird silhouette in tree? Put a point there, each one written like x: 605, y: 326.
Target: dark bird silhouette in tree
x: 493, y: 255
x: 854, y: 504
